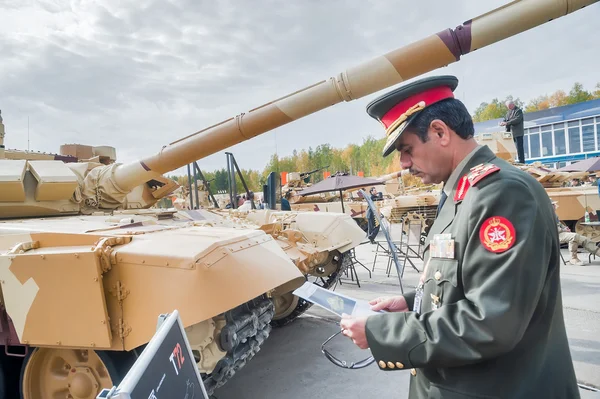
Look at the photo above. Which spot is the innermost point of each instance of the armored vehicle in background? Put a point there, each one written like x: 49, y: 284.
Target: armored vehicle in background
x: 573, y: 201
x: 398, y: 199
x: 83, y: 278
x: 354, y: 205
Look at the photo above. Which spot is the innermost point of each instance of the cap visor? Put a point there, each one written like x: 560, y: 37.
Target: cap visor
x: 390, y: 144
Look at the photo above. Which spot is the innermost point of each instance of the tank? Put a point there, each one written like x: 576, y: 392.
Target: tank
x: 111, y: 269
x: 83, y: 279
x: 315, y: 246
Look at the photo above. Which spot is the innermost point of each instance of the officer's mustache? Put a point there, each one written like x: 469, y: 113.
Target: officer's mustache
x: 410, y: 171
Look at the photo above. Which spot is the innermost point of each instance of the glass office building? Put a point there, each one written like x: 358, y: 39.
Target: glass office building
x: 558, y: 136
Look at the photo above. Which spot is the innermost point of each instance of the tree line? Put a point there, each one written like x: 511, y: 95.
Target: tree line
x: 366, y: 157
x: 354, y: 158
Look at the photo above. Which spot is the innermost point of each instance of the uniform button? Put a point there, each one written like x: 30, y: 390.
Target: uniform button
x: 382, y: 364
x: 413, y: 372
x: 438, y: 275
x: 399, y: 365
x: 391, y: 365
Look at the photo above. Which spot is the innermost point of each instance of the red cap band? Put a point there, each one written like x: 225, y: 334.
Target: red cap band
x: 430, y: 96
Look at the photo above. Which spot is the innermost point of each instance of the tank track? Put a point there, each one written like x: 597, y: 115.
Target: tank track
x: 246, y: 329
x: 304, y: 305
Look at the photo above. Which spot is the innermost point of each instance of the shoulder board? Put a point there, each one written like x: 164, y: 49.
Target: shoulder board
x: 480, y: 171
x: 476, y: 174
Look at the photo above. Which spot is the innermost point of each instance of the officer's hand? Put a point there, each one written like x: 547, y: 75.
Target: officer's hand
x: 390, y: 304
x: 354, y: 328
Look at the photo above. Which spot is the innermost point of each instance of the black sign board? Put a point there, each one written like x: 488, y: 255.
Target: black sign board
x: 166, y: 368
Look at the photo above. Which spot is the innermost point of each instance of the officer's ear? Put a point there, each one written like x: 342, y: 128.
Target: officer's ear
x: 441, y: 131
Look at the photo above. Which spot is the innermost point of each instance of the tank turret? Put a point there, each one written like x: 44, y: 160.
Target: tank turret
x: 48, y: 184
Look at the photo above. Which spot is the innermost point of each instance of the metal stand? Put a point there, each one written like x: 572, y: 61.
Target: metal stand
x: 392, y: 247
x: 192, y: 176
x: 232, y: 168
x: 355, y: 260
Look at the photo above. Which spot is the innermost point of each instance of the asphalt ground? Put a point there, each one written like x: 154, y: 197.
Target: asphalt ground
x: 291, y: 365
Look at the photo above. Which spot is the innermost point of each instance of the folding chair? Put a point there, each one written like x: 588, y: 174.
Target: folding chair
x: 350, y: 270
x: 590, y: 256
x: 411, y: 245
x: 562, y: 257
x: 381, y: 248
x: 406, y: 235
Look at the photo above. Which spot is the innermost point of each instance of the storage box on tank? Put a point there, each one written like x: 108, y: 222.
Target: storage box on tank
x: 55, y: 180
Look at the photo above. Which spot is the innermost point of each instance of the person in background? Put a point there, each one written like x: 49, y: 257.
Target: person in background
x: 247, y: 205
x: 285, y: 201
x: 592, y: 180
x: 513, y: 121
x: 373, y: 224
x: 574, y: 240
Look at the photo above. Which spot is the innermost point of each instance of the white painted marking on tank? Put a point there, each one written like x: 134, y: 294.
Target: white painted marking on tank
x: 18, y: 297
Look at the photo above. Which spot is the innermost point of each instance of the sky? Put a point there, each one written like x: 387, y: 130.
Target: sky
x: 139, y: 74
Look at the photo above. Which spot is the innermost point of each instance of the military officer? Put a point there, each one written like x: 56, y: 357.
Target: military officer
x: 486, y: 319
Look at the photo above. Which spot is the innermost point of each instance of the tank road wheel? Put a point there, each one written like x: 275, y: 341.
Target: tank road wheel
x: 67, y: 373
x: 288, y: 307
x: 284, y: 305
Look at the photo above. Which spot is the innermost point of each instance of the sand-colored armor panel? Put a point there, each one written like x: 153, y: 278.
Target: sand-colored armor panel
x: 501, y: 144
x: 55, y: 180
x: 39, y: 283
x: 12, y: 175
x: 329, y: 231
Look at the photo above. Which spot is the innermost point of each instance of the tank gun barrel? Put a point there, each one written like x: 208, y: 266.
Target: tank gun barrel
x: 392, y: 175
x: 304, y: 174
x: 412, y: 60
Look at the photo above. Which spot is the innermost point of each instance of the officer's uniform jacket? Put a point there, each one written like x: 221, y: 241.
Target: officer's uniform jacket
x: 490, y: 323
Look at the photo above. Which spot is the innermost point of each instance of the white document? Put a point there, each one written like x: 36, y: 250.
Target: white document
x: 334, y: 302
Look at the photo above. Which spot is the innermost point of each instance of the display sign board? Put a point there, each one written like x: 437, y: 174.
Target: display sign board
x: 165, y: 369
